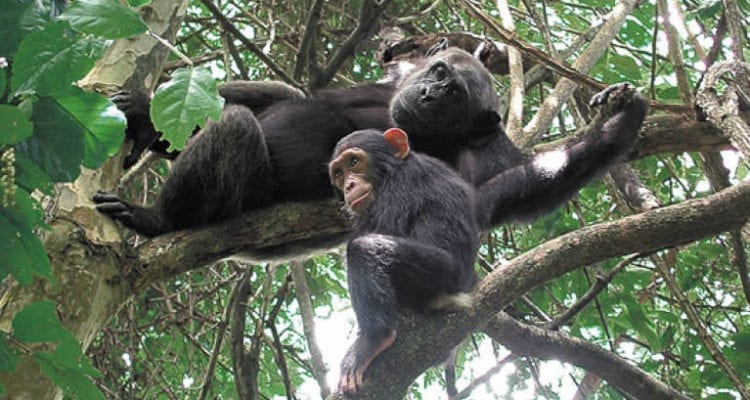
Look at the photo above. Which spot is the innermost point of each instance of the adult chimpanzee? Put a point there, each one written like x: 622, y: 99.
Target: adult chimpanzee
x: 243, y: 163
x: 416, y: 222
x: 415, y: 237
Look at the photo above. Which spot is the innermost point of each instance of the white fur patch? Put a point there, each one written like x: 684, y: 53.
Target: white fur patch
x: 454, y: 301
x: 375, y: 241
x: 551, y: 162
x: 404, y: 69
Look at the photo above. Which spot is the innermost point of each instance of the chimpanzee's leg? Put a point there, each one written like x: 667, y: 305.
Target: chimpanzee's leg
x: 224, y: 170
x: 385, y: 272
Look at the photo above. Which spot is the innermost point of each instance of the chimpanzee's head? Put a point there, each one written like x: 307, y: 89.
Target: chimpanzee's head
x: 361, y: 160
x: 450, y: 95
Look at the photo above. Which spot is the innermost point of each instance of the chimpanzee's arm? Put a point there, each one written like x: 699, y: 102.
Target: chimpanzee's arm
x: 385, y: 273
x: 552, y: 177
x: 135, y: 105
x: 258, y: 95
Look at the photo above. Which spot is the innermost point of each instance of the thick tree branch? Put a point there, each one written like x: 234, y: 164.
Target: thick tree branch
x: 275, y: 232
x: 526, y: 340
x: 427, y: 340
x: 264, y: 235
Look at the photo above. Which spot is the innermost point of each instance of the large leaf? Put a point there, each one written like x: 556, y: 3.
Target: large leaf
x: 57, y: 143
x: 100, y: 121
x: 14, y: 126
x: 15, y: 257
x: 38, y: 322
x: 106, y: 18
x: 8, y: 357
x: 626, y: 66
x: 26, y: 215
x: 17, y: 19
x: 49, y: 61
x: 641, y: 323
x: 68, y: 368
x: 29, y: 176
x: 184, y: 103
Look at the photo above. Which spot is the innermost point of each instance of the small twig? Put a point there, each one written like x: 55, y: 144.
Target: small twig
x: 703, y: 333
x: 229, y: 27
x: 302, y: 294
x: 218, y: 341
x: 171, y: 48
x: 484, y: 378
x: 599, y: 285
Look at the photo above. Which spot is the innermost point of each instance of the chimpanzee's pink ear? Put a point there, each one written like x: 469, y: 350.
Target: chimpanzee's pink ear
x: 398, y: 139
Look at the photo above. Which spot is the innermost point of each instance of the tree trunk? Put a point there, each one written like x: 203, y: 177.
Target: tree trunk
x: 86, y: 250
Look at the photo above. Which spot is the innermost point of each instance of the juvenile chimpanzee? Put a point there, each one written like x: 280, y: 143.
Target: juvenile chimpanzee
x: 416, y: 222
x: 414, y: 240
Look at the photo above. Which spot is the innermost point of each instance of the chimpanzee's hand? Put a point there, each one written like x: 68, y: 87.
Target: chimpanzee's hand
x: 131, y: 102
x: 111, y: 205
x: 615, y: 97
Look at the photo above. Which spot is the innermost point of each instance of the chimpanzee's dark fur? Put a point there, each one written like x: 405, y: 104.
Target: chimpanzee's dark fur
x: 447, y: 106
x: 417, y: 240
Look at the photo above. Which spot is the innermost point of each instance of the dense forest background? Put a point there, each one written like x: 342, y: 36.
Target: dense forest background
x: 637, y: 289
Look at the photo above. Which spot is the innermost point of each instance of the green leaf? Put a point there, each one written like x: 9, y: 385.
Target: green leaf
x: 49, y: 61
x: 3, y: 78
x: 106, y: 18
x: 29, y: 176
x: 8, y: 356
x: 184, y: 103
x: 14, y: 258
x: 626, y: 66
x: 100, y: 121
x: 14, y: 126
x: 642, y: 324
x: 17, y: 19
x: 67, y: 373
x: 25, y: 216
x: 38, y: 322
x: 57, y: 143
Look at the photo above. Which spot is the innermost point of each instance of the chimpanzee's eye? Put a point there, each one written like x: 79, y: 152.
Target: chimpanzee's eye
x: 338, y: 173
x: 353, y: 161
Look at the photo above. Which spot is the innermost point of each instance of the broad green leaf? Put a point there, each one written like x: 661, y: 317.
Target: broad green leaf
x: 3, y: 79
x: 38, y: 322
x: 14, y: 258
x: 707, y: 9
x: 102, y: 124
x: 71, y: 355
x: 8, y: 356
x: 50, y: 61
x: 26, y: 215
x: 105, y: 18
x: 626, y: 66
x: 642, y: 324
x: 635, y: 34
x: 740, y: 354
x: 17, y: 19
x: 184, y: 103
x: 57, y: 143
x: 67, y: 373
x: 30, y: 176
x: 14, y: 126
